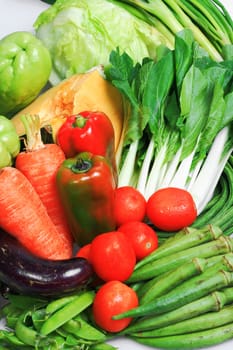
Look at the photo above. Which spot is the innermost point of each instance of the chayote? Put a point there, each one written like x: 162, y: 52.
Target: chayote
x: 25, y: 66
x: 9, y: 142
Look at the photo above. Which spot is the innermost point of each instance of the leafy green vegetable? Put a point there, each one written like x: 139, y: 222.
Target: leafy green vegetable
x: 80, y: 34
x: 178, y: 119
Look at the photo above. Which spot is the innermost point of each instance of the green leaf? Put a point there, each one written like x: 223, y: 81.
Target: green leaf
x: 194, y: 108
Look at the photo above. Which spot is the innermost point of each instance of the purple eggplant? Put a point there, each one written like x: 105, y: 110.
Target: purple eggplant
x: 24, y: 273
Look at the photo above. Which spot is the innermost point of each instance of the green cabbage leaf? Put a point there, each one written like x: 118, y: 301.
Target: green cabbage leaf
x: 80, y: 34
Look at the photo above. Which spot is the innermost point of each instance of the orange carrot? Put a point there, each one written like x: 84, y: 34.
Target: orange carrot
x: 23, y: 215
x: 39, y: 163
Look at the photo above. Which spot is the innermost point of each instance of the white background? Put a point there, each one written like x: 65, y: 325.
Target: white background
x: 20, y: 15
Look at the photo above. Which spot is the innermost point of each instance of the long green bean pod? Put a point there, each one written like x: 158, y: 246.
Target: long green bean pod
x: 188, y: 291
x: 190, y: 341
x: 206, y: 321
x: 214, y: 301
x: 173, y: 279
x: 222, y: 245
x: 184, y: 239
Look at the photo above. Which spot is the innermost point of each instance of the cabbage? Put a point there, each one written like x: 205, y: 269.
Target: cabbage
x: 80, y: 34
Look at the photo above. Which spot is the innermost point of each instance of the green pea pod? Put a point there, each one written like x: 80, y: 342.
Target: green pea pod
x: 57, y: 304
x: 80, y: 328
x: 66, y: 313
x: 9, y: 142
x: 9, y: 338
x: 12, y: 318
x: 25, y: 334
x: 38, y: 318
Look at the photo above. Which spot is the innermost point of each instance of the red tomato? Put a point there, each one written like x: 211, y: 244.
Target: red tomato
x: 112, y: 256
x: 143, y: 238
x: 113, y: 298
x: 171, y: 209
x: 84, y: 252
x: 130, y: 205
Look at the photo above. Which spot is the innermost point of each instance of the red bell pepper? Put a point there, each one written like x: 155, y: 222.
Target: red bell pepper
x: 87, y: 132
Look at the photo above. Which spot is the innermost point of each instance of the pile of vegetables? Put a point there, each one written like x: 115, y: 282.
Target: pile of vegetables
x: 116, y: 209
x: 178, y: 297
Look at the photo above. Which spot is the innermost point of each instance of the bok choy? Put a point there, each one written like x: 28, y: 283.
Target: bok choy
x: 178, y: 118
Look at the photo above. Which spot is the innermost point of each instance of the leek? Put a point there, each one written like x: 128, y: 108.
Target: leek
x: 178, y: 119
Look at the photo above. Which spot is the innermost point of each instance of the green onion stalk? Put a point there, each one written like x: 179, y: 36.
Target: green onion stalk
x: 209, y: 21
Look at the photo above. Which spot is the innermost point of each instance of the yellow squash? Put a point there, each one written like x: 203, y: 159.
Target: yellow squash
x: 87, y: 91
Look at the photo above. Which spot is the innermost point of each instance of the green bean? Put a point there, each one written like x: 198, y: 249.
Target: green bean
x: 206, y: 321
x: 191, y: 340
x: 212, y: 302
x: 221, y: 245
x: 173, y: 279
x: 228, y: 231
x: 67, y: 312
x: 137, y: 286
x: 188, y: 291
x: 208, y: 215
x: 181, y: 242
